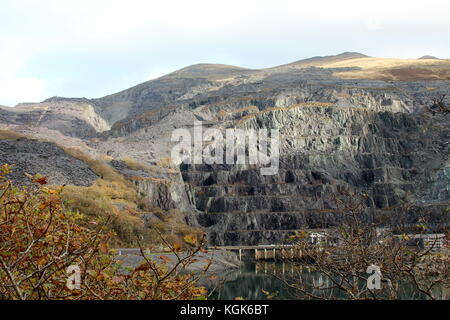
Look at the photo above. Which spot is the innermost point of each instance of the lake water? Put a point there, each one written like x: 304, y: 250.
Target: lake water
x: 250, y: 280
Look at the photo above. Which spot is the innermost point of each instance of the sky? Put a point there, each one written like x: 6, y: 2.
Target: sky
x: 92, y: 48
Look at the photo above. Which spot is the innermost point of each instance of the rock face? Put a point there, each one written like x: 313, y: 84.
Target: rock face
x: 345, y: 124
x: 388, y: 155
x: 164, y: 190
x: 71, y: 117
x: 170, y: 89
x: 32, y: 157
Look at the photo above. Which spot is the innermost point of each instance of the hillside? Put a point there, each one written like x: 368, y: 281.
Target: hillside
x: 347, y: 122
x: 393, y: 69
x: 208, y: 71
x: 320, y: 61
x: 184, y: 84
x: 33, y: 157
x: 428, y: 57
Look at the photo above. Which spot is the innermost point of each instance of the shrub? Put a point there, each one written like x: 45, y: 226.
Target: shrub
x: 40, y: 239
x: 101, y: 200
x: 100, y: 168
x: 135, y: 165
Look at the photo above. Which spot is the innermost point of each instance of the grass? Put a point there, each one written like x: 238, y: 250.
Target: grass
x: 174, y: 228
x: 370, y: 62
x: 98, y: 201
x: 110, y: 197
x: 393, y: 69
x: 386, y: 68
x: 114, y: 198
x: 249, y: 108
x: 123, y: 207
x: 10, y: 135
x: 100, y: 167
x: 138, y: 166
x: 165, y: 162
x: 223, y: 113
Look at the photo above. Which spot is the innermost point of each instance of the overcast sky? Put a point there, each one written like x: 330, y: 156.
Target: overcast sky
x: 91, y: 48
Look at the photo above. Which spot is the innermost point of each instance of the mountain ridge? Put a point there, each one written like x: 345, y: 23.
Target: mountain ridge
x: 156, y: 93
x: 368, y: 132
x: 317, y: 60
x: 204, y: 78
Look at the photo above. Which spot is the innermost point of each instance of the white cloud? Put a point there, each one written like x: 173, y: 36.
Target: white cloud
x: 14, y: 87
x: 9, y: 64
x: 15, y: 90
x: 96, y: 44
x: 89, y: 20
x: 160, y: 71
x: 374, y: 23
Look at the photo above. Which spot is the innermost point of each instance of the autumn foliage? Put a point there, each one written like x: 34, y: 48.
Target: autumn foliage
x: 40, y: 239
x: 344, y: 254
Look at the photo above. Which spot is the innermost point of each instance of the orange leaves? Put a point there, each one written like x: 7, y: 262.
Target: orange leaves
x: 36, y: 178
x: 43, y: 206
x: 40, y: 238
x: 166, y: 259
x: 269, y: 295
x: 200, y: 291
x: 41, y: 261
x: 142, y: 267
x: 76, y: 245
x: 53, y: 191
x: 103, y: 247
x: 177, y: 247
x: 42, y: 180
x: 190, y: 239
x: 117, y: 291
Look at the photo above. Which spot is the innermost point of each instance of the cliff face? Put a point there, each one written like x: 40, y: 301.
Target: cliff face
x: 376, y: 146
x: 345, y: 123
x: 70, y: 117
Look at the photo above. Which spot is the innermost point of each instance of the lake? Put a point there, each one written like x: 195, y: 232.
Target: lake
x: 252, y: 278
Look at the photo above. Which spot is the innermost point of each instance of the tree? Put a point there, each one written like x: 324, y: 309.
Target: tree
x: 357, y: 246
x: 40, y: 239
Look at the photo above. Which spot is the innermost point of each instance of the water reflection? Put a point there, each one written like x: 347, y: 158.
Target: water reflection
x: 248, y: 283
x: 252, y: 279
